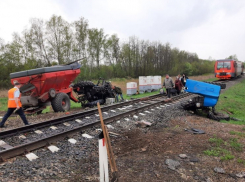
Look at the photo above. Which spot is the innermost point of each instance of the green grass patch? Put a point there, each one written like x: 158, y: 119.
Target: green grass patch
x: 218, y: 141
x: 219, y: 152
x: 75, y: 105
x: 241, y: 161
x: 240, y: 134
x: 236, y: 145
x: 222, y: 149
x: 211, y: 79
x: 227, y: 157
x: 125, y: 96
x: 3, y: 104
x: 232, y: 100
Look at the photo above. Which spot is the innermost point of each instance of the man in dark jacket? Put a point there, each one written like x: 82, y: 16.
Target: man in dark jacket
x: 118, y: 92
x: 168, y: 84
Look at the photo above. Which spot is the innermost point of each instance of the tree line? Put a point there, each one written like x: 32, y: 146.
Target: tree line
x: 56, y: 41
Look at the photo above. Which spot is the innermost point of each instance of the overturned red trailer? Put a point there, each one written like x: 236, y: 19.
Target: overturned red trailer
x: 48, y: 85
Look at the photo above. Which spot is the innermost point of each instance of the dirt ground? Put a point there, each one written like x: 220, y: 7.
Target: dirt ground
x: 141, y: 155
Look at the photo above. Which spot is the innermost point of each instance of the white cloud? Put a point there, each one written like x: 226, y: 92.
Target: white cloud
x: 209, y: 28
x: 16, y: 14
x: 219, y: 37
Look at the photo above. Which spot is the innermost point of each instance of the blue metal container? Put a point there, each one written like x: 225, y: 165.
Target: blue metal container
x: 209, y: 91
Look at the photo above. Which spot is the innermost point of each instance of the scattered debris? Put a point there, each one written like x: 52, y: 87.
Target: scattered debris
x: 143, y: 124
x: 241, y: 175
x: 235, y: 119
x: 183, y: 156
x: 144, y: 149
x: 233, y: 175
x: 209, y: 179
x: 110, y: 126
x: 219, y: 170
x: 227, y: 111
x: 112, y: 133
x: 195, y: 131
x: 172, y: 164
x: 194, y: 159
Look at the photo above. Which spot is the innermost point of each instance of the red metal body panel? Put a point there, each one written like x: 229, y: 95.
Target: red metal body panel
x: 59, y: 81
x: 227, y: 69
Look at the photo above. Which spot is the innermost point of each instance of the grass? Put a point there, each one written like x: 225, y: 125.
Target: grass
x: 3, y: 104
x: 235, y: 145
x: 241, y: 161
x: 223, y: 149
x: 218, y: 141
x: 125, y: 96
x: 210, y: 79
x: 220, y: 152
x: 232, y: 100
x: 240, y: 134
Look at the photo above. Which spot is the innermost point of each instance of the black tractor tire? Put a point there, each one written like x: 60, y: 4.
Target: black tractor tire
x: 84, y: 87
x: 84, y: 84
x: 218, y: 116
x: 61, y: 102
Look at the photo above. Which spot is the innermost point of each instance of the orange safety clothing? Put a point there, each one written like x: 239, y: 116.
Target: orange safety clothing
x: 11, y: 100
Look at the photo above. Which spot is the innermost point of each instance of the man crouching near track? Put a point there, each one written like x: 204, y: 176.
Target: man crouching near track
x: 14, y: 104
x: 169, y: 84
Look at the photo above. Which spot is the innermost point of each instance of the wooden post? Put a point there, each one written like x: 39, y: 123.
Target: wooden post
x: 108, y: 147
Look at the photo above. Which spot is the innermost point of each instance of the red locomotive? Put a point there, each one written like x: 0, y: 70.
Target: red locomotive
x: 228, y: 68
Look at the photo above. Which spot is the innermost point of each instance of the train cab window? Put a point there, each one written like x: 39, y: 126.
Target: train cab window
x: 220, y: 65
x: 224, y: 64
x: 227, y: 65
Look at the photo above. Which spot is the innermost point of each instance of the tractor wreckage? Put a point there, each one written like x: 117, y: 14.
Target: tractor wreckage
x: 46, y: 86
x: 89, y: 93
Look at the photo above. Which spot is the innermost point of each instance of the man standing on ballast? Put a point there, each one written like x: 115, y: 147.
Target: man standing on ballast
x: 14, y: 104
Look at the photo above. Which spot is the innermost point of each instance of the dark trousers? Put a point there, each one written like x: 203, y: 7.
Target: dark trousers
x: 20, y: 112
x: 178, y: 91
x: 168, y: 92
x: 117, y: 97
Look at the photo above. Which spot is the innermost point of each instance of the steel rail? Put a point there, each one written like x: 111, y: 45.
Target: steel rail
x: 62, y: 119
x: 25, y: 148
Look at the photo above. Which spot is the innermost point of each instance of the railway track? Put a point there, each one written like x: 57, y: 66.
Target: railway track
x: 26, y: 139
x: 48, y: 123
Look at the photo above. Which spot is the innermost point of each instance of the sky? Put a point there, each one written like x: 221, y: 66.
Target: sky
x: 213, y: 29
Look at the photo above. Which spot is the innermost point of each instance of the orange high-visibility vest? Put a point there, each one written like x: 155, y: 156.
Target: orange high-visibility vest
x: 11, y: 101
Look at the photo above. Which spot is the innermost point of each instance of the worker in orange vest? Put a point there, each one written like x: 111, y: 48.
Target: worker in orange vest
x: 14, y: 104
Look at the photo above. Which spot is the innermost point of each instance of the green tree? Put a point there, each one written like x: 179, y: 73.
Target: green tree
x: 59, y: 36
x: 188, y: 69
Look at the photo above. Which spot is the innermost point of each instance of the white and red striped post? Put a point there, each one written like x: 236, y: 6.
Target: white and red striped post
x: 103, y: 160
